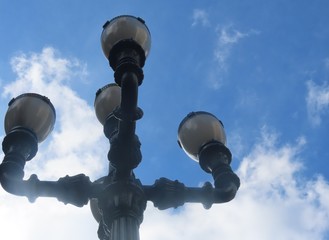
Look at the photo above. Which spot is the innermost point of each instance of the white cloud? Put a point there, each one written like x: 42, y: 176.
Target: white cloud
x: 45, y: 219
x: 200, y: 16
x: 48, y: 74
x: 317, y: 101
x: 63, y: 153
x: 40, y: 69
x: 274, y: 202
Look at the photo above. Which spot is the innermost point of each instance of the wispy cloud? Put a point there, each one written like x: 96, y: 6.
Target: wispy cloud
x: 326, y: 63
x: 200, y: 17
x: 317, y: 101
x: 227, y: 38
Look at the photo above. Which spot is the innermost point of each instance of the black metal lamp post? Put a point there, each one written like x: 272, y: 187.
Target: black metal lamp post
x: 118, y: 200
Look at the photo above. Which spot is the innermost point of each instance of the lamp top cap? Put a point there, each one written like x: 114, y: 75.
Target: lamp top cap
x: 124, y: 16
x: 193, y: 114
x: 34, y: 95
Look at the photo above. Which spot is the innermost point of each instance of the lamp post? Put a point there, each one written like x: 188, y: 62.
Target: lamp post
x: 119, y: 199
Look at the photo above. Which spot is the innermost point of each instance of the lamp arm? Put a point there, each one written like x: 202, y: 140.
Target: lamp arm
x: 165, y: 193
x: 20, y: 145
x: 75, y: 190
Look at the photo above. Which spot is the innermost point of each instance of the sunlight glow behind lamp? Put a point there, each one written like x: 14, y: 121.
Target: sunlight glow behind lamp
x: 117, y: 200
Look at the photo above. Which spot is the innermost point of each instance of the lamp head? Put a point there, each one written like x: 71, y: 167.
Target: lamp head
x: 122, y: 33
x: 107, y: 99
x: 197, y: 130
x: 31, y: 111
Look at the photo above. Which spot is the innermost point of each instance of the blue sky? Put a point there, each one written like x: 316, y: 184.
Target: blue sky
x: 262, y: 67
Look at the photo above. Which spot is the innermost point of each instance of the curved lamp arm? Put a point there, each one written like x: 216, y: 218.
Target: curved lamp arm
x: 165, y: 193
x: 75, y: 190
x: 19, y: 146
x: 164, y: 197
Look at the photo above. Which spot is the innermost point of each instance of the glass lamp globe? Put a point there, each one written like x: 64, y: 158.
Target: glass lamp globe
x: 197, y: 129
x: 125, y: 28
x: 31, y: 111
x: 107, y: 99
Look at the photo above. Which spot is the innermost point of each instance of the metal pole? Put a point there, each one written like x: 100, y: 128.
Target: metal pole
x: 122, y: 205
x: 123, y: 200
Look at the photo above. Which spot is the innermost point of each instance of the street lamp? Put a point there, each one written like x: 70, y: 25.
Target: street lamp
x: 119, y: 199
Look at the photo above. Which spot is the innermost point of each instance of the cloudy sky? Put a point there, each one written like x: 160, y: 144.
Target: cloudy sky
x: 262, y: 67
